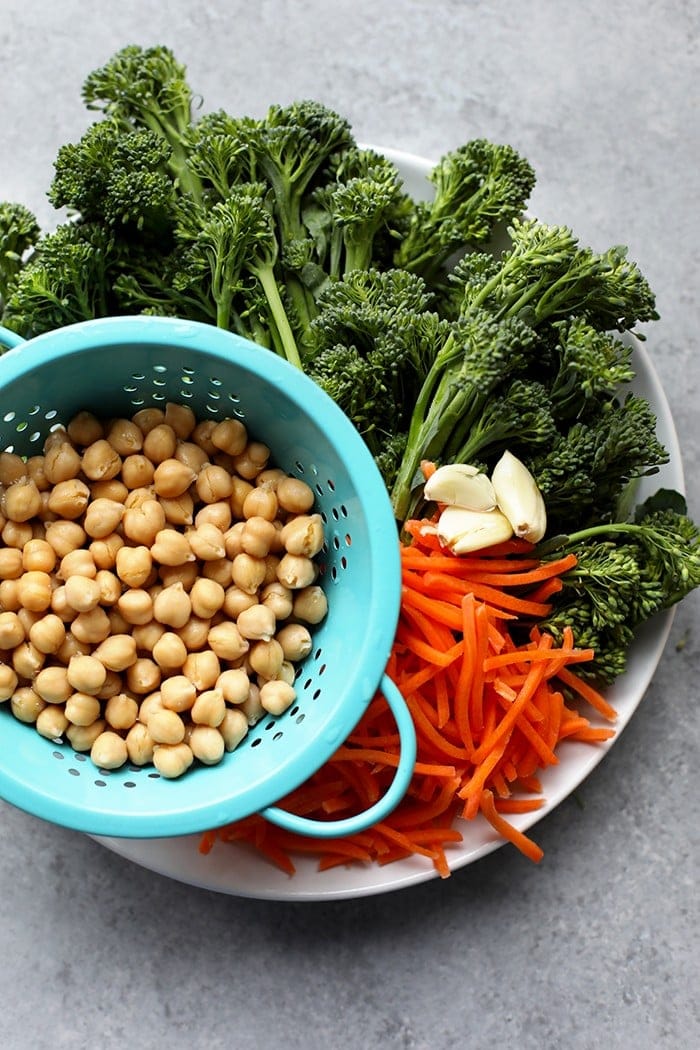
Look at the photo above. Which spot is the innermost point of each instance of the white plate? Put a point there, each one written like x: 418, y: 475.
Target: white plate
x: 235, y: 869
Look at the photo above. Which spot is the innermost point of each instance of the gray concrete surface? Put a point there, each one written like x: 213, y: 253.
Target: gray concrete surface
x: 596, y: 947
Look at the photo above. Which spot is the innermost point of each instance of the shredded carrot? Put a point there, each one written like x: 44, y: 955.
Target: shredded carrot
x: 491, y: 696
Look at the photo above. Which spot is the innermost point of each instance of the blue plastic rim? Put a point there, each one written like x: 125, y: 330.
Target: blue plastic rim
x: 114, y: 366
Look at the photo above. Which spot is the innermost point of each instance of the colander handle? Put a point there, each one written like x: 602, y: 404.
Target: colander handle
x: 350, y: 825
x: 9, y: 339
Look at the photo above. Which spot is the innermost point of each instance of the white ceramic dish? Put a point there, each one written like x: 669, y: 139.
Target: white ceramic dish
x: 236, y: 870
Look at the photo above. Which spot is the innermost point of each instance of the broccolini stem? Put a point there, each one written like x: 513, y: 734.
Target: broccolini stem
x: 269, y: 284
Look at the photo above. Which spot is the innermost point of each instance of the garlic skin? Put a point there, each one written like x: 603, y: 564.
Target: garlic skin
x: 519, y: 498
x: 460, y: 485
x: 463, y: 530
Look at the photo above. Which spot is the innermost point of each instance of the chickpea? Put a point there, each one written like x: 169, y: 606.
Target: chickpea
x: 276, y: 696
x: 100, y: 461
x: 191, y: 455
x: 121, y: 711
x: 181, y: 418
x: 12, y: 631
x: 194, y: 633
x: 170, y: 652
x: 109, y: 488
x: 207, y: 597
x: 133, y: 565
x: 82, y: 593
x: 230, y: 436
x: 220, y: 570
x: 257, y: 623
x: 9, y: 593
x: 35, y: 591
x: 17, y: 534
x: 227, y: 642
x: 45, y: 514
x: 12, y: 468
x: 21, y: 501
x: 71, y: 647
x: 207, y: 744
x: 171, y: 548
x: 143, y: 523
x: 178, y: 693
x: 202, y: 669
x: 209, y: 708
x: 52, y: 685
x: 152, y: 702
x: 11, y: 566
x: 172, y: 606
x: 247, y: 572
x: 38, y: 555
x: 160, y: 443
x: 303, y: 535
x: 82, y: 709
x: 36, y: 473
x: 61, y: 463
x: 125, y: 437
x: 91, y: 627
x: 166, y: 727
x: 257, y: 537
x: 104, y: 551
x: 65, y: 536
x: 109, y: 585
x: 47, y: 635
x: 252, y: 460
x: 146, y: 419
x: 117, y: 623
x: 295, y: 571
x: 102, y: 517
x: 261, y: 502
x: 136, y: 606
x: 84, y: 429
x: 251, y: 706
x: 143, y: 676
x: 8, y: 682
x: 236, y: 600
x: 173, y: 760
x: 278, y: 598
x: 108, y: 750
x: 26, y: 704
x: 233, y: 539
x: 77, y: 563
x: 295, y: 496
x: 266, y: 658
x: 112, y: 685
x: 82, y: 737
x: 178, y: 511
x: 85, y: 674
x: 147, y: 635
x: 295, y: 640
x: 52, y: 722
x: 137, y: 497
x: 137, y: 471
x: 201, y: 435
x: 172, y: 478
x: 69, y: 499
x: 139, y: 745
x: 310, y: 604
x: 233, y: 728
x: 187, y: 575
x: 213, y: 484
x: 239, y: 491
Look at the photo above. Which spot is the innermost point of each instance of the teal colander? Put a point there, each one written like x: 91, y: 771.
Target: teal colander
x: 113, y: 367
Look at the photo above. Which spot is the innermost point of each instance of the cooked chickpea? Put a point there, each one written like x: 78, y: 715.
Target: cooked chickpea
x: 172, y: 606
x: 234, y: 685
x: 295, y: 571
x: 207, y: 744
x: 35, y: 591
x: 102, y: 517
x: 252, y: 460
x: 125, y: 437
x: 109, y: 585
x: 181, y: 418
x: 104, y: 551
x: 12, y: 631
x: 227, y: 642
x: 209, y: 708
x: 247, y: 572
x: 77, y: 563
x: 143, y: 676
x: 207, y: 542
x: 207, y: 597
x: 117, y: 652
x: 213, y: 484
x: 52, y: 685
x: 133, y: 565
x: 187, y: 575
x: 251, y: 706
x: 100, y: 461
x: 303, y: 535
x: 9, y: 594
x: 310, y: 604
x: 166, y: 727
x: 142, y: 523
x: 91, y: 627
x: 121, y: 711
x: 192, y: 455
x: 261, y: 502
x: 257, y: 536
x: 136, y: 606
x: 295, y: 496
x: 137, y: 471
x: 37, y: 473
x: 8, y: 682
x: 109, y: 488
x: 171, y: 548
x: 194, y: 633
x: 86, y: 674
x: 117, y: 623
x: 82, y: 593
x: 12, y: 468
x: 230, y: 436
x: 82, y: 709
x: 295, y: 640
x: 84, y: 429
x: 65, y: 536
x: 48, y: 634
x: 236, y: 600
x: 257, y: 623
x: 202, y: 669
x: 220, y: 570
x: 21, y: 501
x: 146, y: 419
x: 160, y: 443
x: 233, y: 728
x: 178, y: 511
x: 276, y: 696
x: 71, y: 647
x: 139, y: 745
x: 111, y: 686
x: 172, y: 760
x: 52, y: 722
x: 233, y: 539
x: 108, y: 750
x: 11, y: 566
x: 38, y: 555
x: 266, y: 658
x: 82, y: 737
x: 26, y: 704
x: 201, y: 436
x: 278, y: 598
x: 17, y: 534
x: 147, y: 635
x: 172, y: 478
x: 61, y: 463
x: 178, y: 693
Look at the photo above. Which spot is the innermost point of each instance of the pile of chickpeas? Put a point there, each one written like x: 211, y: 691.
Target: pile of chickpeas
x: 158, y: 586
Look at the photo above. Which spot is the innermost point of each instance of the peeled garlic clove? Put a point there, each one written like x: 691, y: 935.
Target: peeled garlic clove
x: 459, y: 485
x: 519, y: 498
x: 465, y: 530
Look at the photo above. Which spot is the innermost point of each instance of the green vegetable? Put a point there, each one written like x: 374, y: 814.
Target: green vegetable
x: 19, y: 231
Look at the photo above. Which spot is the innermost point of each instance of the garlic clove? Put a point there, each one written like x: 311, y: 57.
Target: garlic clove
x: 460, y: 485
x: 519, y: 498
x: 463, y: 530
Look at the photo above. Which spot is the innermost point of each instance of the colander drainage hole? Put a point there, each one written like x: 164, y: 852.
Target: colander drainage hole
x: 73, y: 771
x: 101, y: 783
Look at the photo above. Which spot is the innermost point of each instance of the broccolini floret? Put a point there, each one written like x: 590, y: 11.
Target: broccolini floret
x: 19, y: 232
